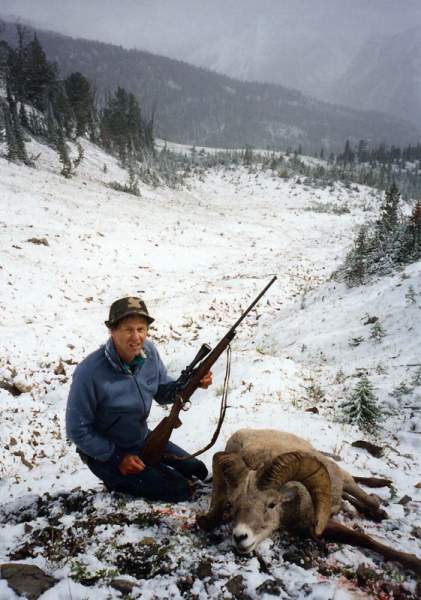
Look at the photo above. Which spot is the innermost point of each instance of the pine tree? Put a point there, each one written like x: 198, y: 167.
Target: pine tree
x: 389, y: 211
x: 23, y: 117
x: 361, y: 407
x: 377, y: 333
x: 79, y: 93
x: 415, y: 225
x: 20, y: 142
x: 16, y: 150
x: 40, y: 75
x: 12, y: 150
x: 63, y: 153
x: 348, y: 156
x: 248, y: 156
x: 52, y: 126
x: 355, y: 267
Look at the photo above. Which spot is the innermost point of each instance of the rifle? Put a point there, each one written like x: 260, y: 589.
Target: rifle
x: 186, y: 385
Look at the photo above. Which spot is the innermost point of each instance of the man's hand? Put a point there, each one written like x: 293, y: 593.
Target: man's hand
x: 131, y: 464
x: 206, y: 380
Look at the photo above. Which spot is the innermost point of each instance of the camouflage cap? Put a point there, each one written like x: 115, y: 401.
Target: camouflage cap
x: 126, y: 307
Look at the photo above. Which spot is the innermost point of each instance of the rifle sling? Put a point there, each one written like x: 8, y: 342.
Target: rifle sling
x: 222, y: 411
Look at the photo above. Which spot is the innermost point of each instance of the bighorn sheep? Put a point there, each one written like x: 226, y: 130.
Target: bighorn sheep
x: 268, y: 480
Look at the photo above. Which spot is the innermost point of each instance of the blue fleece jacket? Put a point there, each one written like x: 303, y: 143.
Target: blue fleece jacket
x: 108, y: 406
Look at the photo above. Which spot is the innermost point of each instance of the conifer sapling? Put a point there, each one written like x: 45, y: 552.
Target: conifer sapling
x: 361, y: 407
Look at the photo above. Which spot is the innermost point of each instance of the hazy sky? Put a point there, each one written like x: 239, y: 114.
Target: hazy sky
x: 172, y: 26
x: 272, y: 40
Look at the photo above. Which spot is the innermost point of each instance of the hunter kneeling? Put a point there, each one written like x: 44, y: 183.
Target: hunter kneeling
x: 109, y: 402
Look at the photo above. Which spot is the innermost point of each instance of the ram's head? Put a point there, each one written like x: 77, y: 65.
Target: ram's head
x: 293, y: 489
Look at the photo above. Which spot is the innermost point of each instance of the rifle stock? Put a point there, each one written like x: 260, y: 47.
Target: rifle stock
x: 157, y: 440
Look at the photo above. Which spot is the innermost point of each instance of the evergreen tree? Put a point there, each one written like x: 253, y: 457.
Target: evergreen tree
x: 248, y: 156
x: 415, y: 224
x: 4, y: 57
x: 123, y: 129
x: 389, y: 211
x: 80, y: 96
x: 377, y: 332
x: 61, y: 107
x: 20, y: 142
x: 63, y: 153
x: 361, y: 407
x: 23, y: 117
x: 17, y: 65
x: 348, y: 156
x: 40, y: 75
x: 12, y: 150
x: 16, y: 150
x: 355, y: 267
x: 51, y: 124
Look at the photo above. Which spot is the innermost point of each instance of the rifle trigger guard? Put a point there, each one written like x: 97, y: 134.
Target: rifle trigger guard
x: 186, y: 405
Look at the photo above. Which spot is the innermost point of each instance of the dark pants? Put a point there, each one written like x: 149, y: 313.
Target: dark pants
x: 169, y: 481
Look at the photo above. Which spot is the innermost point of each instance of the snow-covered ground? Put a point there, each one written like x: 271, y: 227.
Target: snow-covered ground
x: 198, y: 256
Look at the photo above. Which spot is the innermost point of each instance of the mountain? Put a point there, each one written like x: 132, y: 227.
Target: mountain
x: 197, y: 106
x: 385, y: 74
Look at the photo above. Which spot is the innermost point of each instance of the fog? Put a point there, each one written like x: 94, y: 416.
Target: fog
x: 306, y: 44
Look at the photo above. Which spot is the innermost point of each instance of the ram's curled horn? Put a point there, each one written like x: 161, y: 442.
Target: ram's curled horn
x: 232, y: 466
x: 308, y: 470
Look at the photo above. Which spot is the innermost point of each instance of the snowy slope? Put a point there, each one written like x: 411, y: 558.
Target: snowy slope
x: 198, y: 256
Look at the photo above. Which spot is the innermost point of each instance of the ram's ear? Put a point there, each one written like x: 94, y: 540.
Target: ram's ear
x: 231, y: 465
x: 308, y: 470
x: 289, y: 495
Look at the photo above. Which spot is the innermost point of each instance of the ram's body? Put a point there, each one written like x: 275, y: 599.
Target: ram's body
x: 246, y: 481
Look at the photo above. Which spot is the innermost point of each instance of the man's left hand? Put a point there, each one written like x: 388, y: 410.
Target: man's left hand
x: 206, y: 380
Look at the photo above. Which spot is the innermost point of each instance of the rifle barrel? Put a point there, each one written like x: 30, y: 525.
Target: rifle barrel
x: 255, y: 301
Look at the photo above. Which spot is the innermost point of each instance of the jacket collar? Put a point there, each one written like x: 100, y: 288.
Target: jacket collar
x: 113, y: 357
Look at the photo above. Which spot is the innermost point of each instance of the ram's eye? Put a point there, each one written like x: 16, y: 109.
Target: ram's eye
x: 271, y: 504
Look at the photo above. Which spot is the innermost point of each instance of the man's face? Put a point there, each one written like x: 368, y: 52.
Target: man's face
x: 129, y: 337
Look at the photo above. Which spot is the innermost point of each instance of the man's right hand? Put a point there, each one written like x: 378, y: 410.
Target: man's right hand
x: 131, y: 464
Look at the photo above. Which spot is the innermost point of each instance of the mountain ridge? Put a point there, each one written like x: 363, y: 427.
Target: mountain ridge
x: 197, y: 106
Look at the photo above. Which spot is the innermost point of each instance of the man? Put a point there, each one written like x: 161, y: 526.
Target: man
x: 109, y: 402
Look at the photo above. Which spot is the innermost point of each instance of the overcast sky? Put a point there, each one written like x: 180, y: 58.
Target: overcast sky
x: 260, y: 39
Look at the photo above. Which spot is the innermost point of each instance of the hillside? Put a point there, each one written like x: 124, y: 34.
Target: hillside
x: 198, y: 106
x: 197, y: 255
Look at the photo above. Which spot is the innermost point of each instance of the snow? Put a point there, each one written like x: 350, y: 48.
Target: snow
x: 198, y: 256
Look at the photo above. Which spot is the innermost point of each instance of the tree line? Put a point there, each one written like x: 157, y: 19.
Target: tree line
x: 55, y: 109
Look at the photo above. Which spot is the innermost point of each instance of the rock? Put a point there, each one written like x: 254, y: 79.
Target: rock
x: 148, y: 541
x: 10, y: 387
x: 364, y: 574
x: 185, y: 584
x: 39, y: 241
x: 235, y: 587
x: 123, y: 585
x: 204, y: 569
x: 272, y: 587
x: 26, y: 580
x: 60, y: 370
x: 22, y: 385
x: 297, y: 557
x: 376, y: 451
x: 371, y: 320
